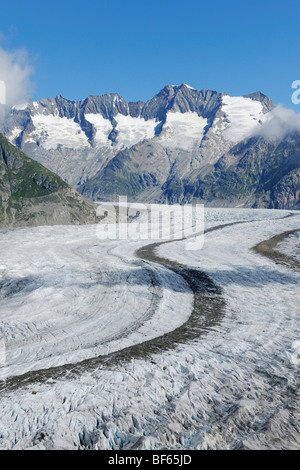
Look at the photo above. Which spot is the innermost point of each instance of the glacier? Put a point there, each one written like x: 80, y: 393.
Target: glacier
x: 87, y: 361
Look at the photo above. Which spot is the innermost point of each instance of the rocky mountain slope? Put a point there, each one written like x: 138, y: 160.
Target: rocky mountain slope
x: 32, y: 195
x: 183, y: 145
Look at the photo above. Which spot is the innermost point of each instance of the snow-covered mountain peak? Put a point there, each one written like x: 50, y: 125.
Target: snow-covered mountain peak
x: 76, y: 138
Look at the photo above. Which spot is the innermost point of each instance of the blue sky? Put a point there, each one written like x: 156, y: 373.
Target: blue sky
x: 136, y: 47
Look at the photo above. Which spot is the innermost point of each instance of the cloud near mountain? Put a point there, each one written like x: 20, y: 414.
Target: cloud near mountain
x: 279, y: 123
x: 16, y: 73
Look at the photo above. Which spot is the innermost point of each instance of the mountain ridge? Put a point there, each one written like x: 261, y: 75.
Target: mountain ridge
x: 169, y: 148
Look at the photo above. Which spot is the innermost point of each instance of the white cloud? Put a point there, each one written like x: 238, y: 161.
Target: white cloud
x: 279, y: 122
x: 15, y: 76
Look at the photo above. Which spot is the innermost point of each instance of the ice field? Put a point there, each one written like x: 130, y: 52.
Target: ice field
x: 133, y: 343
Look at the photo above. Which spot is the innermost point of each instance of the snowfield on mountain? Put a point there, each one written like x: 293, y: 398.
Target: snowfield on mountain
x: 183, y: 145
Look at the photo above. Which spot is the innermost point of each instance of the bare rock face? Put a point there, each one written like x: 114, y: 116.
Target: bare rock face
x: 32, y: 195
x: 182, y: 145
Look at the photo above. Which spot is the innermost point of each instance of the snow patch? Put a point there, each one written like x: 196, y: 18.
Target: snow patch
x: 14, y: 134
x: 188, y: 86
x: 52, y: 131
x: 183, y: 130
x: 132, y: 130
x: 243, y: 114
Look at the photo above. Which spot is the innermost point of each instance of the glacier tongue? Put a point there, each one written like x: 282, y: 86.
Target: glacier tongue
x: 234, y: 387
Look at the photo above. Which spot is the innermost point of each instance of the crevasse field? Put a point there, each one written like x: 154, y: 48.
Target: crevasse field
x: 115, y: 344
